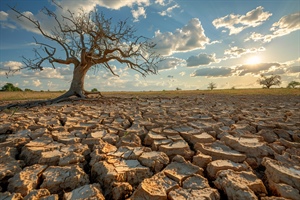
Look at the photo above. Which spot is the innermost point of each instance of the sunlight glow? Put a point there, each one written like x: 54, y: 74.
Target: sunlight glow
x: 253, y: 60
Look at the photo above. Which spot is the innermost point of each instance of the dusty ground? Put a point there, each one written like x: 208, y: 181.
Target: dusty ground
x: 153, y: 147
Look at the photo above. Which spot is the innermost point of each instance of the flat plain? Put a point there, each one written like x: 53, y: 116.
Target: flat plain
x: 220, y: 144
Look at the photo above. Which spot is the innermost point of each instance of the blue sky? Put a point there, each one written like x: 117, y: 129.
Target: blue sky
x: 228, y: 42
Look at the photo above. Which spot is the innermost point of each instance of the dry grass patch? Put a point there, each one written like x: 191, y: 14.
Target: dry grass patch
x: 12, y: 96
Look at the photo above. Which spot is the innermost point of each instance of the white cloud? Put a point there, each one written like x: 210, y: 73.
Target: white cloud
x: 286, y: 25
x: 170, y: 63
x: 10, y: 65
x: 201, y: 59
x: 88, y: 5
x: 182, y: 73
x: 237, y: 23
x: 236, y: 52
x: 26, y: 24
x: 3, y: 16
x: 140, y: 12
x: 46, y: 73
x: 168, y: 11
x: 36, y: 83
x: 261, y: 68
x: 163, y: 2
x: 188, y: 38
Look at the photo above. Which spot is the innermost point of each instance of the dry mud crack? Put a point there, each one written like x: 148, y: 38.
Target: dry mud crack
x: 185, y: 147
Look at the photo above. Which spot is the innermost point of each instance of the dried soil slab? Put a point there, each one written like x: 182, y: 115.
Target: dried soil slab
x: 240, y: 185
x: 201, y: 160
x: 120, y: 191
x: 217, y: 165
x: 26, y: 180
x: 219, y: 151
x: 279, y: 172
x: 195, y: 182
x: 251, y: 146
x: 180, y: 169
x: 182, y: 194
x: 152, y: 136
x: 38, y: 194
x: 157, y: 187
x: 119, y: 170
x: 92, y: 191
x: 130, y: 140
x: 31, y: 152
x: 284, y: 190
x: 201, y: 138
x: 9, y: 196
x: 8, y: 167
x: 179, y: 147
x: 57, y: 179
x: 129, y: 153
x: 154, y: 160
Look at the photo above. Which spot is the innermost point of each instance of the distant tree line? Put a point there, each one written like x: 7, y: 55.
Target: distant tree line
x: 10, y: 88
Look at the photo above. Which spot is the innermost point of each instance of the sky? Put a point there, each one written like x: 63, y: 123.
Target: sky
x: 227, y: 42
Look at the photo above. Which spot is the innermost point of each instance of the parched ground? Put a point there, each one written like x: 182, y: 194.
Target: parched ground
x: 213, y: 146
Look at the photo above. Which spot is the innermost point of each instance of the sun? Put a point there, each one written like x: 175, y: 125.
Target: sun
x: 253, y: 60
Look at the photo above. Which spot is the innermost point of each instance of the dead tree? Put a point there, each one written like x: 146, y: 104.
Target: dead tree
x: 89, y: 40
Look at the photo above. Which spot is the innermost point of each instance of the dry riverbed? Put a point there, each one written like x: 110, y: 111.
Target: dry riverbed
x: 153, y: 147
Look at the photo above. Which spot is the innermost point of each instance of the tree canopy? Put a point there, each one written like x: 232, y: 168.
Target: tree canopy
x: 293, y: 84
x: 9, y: 87
x: 212, y: 86
x: 268, y: 81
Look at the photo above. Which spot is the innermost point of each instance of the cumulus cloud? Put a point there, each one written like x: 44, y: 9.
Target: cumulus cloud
x: 170, y: 63
x: 286, y: 25
x: 140, y: 12
x: 212, y: 71
x: 201, y: 59
x: 3, y: 21
x: 10, y: 65
x: 3, y: 16
x: 256, y: 69
x: 26, y: 24
x: 86, y: 5
x: 36, y: 83
x: 236, y: 52
x: 188, y: 38
x: 168, y: 11
x: 163, y: 2
x: 237, y: 23
x: 46, y: 73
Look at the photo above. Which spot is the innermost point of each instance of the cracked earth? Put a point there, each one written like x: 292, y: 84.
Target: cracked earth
x: 152, y: 147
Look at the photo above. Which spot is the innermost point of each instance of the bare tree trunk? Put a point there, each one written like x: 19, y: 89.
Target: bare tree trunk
x: 77, y: 85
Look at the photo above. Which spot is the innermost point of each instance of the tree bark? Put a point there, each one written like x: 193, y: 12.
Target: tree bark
x: 77, y: 85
